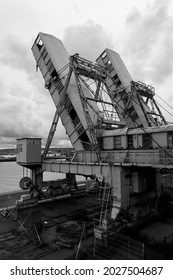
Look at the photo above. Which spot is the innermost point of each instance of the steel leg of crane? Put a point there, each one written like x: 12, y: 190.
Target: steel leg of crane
x: 37, y: 177
x: 120, y: 190
x: 57, y: 115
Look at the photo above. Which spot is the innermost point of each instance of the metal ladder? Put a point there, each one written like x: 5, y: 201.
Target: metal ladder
x: 104, y: 197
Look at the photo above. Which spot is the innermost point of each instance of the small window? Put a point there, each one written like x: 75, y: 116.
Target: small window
x: 43, y: 52
x: 109, y: 66
x: 147, y: 141
x: 118, y: 83
x: 117, y: 142
x: 115, y: 77
x: 66, y: 101
x: 134, y: 117
x: 67, y: 104
x: 76, y: 121
x: 80, y: 130
x: 56, y: 80
x: 50, y: 66
x: 103, y: 55
x: 72, y: 113
x: 39, y: 44
x: 100, y: 143
x: 124, y: 97
x: 85, y: 141
x: 54, y: 74
x: 131, y: 110
x: 130, y: 141
x: 170, y: 140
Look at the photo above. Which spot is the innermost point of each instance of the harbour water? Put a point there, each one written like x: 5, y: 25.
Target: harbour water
x: 11, y: 173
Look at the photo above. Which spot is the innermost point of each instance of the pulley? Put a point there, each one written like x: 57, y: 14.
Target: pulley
x: 25, y: 183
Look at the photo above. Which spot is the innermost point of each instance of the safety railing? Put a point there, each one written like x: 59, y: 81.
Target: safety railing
x: 155, y: 157
x: 118, y: 246
x: 150, y: 157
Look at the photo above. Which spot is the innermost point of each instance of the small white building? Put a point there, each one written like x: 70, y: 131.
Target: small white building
x: 29, y: 150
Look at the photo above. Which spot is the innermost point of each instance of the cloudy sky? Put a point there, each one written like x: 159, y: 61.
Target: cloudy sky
x: 140, y: 31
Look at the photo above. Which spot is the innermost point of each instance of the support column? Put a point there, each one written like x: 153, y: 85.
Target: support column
x: 37, y: 177
x: 120, y: 190
x: 159, y: 185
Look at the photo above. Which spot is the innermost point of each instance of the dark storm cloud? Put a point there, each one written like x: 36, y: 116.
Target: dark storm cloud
x: 17, y: 117
x: 25, y: 104
x: 150, y: 40
x: 88, y: 39
x: 18, y: 55
x: 19, y: 130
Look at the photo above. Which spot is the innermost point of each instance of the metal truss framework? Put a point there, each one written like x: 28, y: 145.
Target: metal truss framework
x: 92, y: 76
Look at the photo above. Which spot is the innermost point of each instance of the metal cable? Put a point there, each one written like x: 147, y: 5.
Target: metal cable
x: 164, y: 101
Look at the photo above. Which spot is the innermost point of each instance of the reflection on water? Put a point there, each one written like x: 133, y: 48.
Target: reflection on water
x: 10, y: 174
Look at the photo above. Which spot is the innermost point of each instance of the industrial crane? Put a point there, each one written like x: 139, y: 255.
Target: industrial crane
x: 114, y: 124
x: 76, y: 99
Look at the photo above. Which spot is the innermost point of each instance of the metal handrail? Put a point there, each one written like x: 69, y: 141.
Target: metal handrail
x: 150, y: 157
x: 122, y: 157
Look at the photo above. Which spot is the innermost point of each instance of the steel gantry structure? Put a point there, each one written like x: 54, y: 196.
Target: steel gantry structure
x: 114, y: 124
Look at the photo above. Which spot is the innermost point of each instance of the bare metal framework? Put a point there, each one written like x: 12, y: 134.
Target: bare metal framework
x: 58, y: 112
x: 112, y: 113
x: 145, y: 95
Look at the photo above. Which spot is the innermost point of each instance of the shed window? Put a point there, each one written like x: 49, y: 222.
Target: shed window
x: 117, y: 142
x: 43, y: 52
x: 147, y: 142
x: 58, y: 84
x: 170, y: 139
x: 131, y: 110
x: 76, y: 121
x: 80, y: 129
x: 130, y: 141
x: 118, y: 82
x: 134, y: 117
x: 50, y: 66
x: 125, y: 97
x: 39, y: 44
x: 67, y: 103
x: 103, y: 55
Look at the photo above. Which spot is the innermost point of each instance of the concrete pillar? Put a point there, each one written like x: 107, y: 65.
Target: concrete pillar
x: 125, y: 194
x: 120, y: 190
